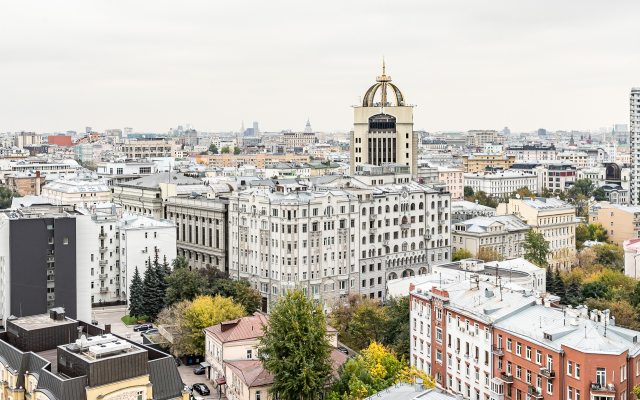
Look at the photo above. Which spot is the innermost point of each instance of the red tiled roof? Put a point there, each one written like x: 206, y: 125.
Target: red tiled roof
x: 239, y: 329
x: 338, y: 358
x: 251, y: 372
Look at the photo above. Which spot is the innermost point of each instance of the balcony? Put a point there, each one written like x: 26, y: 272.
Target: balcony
x: 438, y: 322
x: 442, y: 221
x: 103, y: 276
x: 427, y: 236
x: 372, y: 217
x: 497, y: 350
x: 597, y: 387
x: 102, y: 236
x: 535, y: 392
x: 103, y: 249
x: 405, y: 226
x: 547, y: 373
x: 466, y: 355
x: 103, y: 262
x: 440, y: 209
x: 506, y: 378
x: 385, y: 242
x: 104, y: 290
x: 373, y: 230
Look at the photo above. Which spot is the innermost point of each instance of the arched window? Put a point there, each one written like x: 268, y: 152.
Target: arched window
x: 404, y: 220
x: 421, y: 245
x: 364, y: 240
x: 420, y: 206
x: 413, y: 206
x: 387, y: 209
x: 388, y: 249
x: 364, y: 211
x: 395, y: 248
x: 395, y: 207
x: 433, y: 205
x: 379, y: 238
x: 404, y: 246
x: 380, y: 210
x: 446, y: 203
x: 413, y: 246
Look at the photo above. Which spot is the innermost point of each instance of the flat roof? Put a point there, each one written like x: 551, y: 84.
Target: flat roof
x: 39, y: 321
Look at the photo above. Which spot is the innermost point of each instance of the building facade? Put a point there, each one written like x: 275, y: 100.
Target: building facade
x: 202, y: 230
x: 148, y: 147
x: 634, y: 106
x: 504, y: 234
x: 621, y: 222
x: 501, y: 184
x: 479, y: 162
x: 80, y: 190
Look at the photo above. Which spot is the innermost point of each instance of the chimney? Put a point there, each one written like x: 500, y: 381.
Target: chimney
x: 37, y: 183
x: 594, y: 315
x: 606, y: 314
x: 584, y: 311
x: 412, y: 287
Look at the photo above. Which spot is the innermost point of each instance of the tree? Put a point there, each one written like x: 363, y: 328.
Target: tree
x: 6, y: 197
x: 559, y: 289
x: 550, y: 281
x: 485, y: 200
x: 236, y: 150
x: 583, y: 187
x: 581, y: 203
x: 409, y: 375
x: 213, y: 148
x: 207, y: 311
x: 597, y: 232
x: 136, y: 297
x: 161, y: 284
x: 397, y: 328
x: 184, y: 285
x: 624, y: 312
x: 245, y: 295
x: 224, y: 150
x: 609, y: 255
x: 468, y: 191
x: 461, y: 254
x: 368, y: 323
x: 636, y: 391
x: 522, y: 192
x: 488, y: 254
x: 594, y: 290
x: 295, y: 348
x: 573, y: 293
x: 373, y: 371
x: 582, y: 235
x: 150, y: 299
x: 536, y: 248
x: 172, y: 317
x: 599, y: 194
x: 180, y: 262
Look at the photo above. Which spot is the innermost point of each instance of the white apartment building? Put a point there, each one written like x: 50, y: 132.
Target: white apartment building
x: 500, y: 183
x: 463, y: 210
x: 578, y: 158
x: 634, y: 106
x: 504, y: 234
x: 82, y: 190
x: 115, y: 172
x: 532, y: 152
x: 282, y: 240
x: 120, y: 245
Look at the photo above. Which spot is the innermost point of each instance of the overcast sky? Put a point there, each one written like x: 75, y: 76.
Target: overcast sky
x: 153, y: 65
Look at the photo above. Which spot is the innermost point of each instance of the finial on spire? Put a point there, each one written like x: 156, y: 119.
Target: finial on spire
x: 383, y: 66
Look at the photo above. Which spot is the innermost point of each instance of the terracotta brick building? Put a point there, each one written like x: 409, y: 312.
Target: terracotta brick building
x: 25, y: 183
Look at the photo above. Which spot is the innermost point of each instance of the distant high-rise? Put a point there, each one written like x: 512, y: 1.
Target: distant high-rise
x: 307, y: 129
x: 127, y: 132
x: 542, y: 132
x: 634, y: 142
x: 621, y: 128
x: 383, y: 128
x: 255, y: 129
x: 88, y: 129
x: 242, y: 129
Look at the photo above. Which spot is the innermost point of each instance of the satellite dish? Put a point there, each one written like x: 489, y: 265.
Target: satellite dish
x: 517, y: 196
x: 592, y: 198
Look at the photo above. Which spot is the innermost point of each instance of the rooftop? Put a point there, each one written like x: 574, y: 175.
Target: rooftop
x: 481, y: 224
x: 154, y: 181
x: 405, y: 391
x: 39, y: 321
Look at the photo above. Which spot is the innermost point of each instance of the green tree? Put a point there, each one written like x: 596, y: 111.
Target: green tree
x: 485, y: 200
x: 247, y: 296
x: 536, y: 248
x: 573, y: 293
x: 180, y: 262
x: 184, y: 285
x: 468, y: 191
x: 397, y: 328
x: 295, y: 348
x: 599, y: 194
x: 636, y: 391
x: 594, y: 290
x: 136, y: 297
x: 236, y: 150
x: 224, y: 150
x: 461, y: 254
x: 213, y: 148
x: 6, y: 197
x: 161, y: 284
x: 583, y: 187
x: 368, y: 323
x: 150, y: 292
x: 522, y: 192
x: 609, y: 255
x: 550, y: 281
x: 582, y: 235
x: 559, y: 289
x: 597, y: 232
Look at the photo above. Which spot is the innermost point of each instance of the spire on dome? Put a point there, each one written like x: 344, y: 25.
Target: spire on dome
x: 307, y: 128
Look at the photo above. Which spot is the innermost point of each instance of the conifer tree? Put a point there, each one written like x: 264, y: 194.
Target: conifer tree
x: 150, y: 291
x: 573, y: 293
x: 550, y: 281
x: 559, y: 286
x: 161, y: 285
x: 136, y: 296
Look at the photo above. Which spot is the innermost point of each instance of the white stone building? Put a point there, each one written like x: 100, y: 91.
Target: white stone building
x: 500, y: 183
x: 115, y: 172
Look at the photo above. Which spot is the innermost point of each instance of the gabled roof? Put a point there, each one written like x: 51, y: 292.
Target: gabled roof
x: 244, y: 328
x: 250, y: 372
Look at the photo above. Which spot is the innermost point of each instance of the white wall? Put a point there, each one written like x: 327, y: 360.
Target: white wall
x: 5, y: 270
x: 86, y: 238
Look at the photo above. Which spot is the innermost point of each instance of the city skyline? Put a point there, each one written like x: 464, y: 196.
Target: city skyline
x: 465, y: 66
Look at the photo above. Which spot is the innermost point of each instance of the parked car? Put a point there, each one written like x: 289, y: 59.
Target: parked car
x: 343, y: 350
x: 142, y: 327
x: 201, y: 388
x: 199, y: 370
x: 151, y: 331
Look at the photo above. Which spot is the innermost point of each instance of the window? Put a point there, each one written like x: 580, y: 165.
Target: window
x: 569, y: 368
x: 528, y: 375
x: 549, y: 386
x: 258, y: 395
x: 508, y: 344
x: 249, y: 353
x: 518, y: 371
x: 538, y: 357
x: 528, y: 353
x: 569, y: 393
x: 518, y: 348
x: 577, y: 376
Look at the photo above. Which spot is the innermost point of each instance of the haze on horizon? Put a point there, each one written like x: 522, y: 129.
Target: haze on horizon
x: 465, y: 64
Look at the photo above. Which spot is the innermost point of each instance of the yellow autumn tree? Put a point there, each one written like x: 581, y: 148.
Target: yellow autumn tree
x: 203, y: 312
x: 409, y: 375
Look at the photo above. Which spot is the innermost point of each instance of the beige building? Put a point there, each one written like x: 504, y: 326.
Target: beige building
x: 579, y: 158
x: 25, y: 183
x: 478, y: 162
x: 260, y: 160
x: 383, y: 129
x: 621, y: 222
x: 554, y: 218
x: 454, y: 179
x: 297, y: 139
x: 480, y: 137
x: 502, y: 233
x: 149, y: 147
x: 80, y: 191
